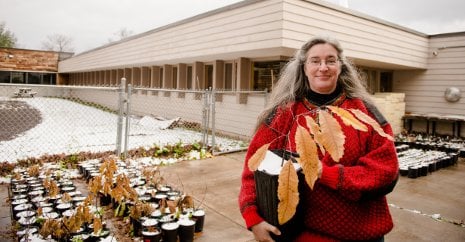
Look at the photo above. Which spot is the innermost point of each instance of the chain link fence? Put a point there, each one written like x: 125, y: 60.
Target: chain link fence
x: 63, y: 120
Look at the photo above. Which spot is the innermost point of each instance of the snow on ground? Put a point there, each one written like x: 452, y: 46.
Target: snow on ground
x: 69, y: 127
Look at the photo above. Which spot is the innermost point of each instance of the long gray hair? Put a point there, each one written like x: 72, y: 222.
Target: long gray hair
x: 293, y: 82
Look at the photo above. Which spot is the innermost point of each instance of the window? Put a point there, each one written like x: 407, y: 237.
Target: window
x: 18, y: 77
x: 34, y: 78
x: 189, y: 77
x: 49, y: 79
x: 385, y: 82
x: 4, y: 77
x: 175, y: 78
x: 208, y: 76
x: 371, y: 81
x: 377, y: 81
x: 266, y: 74
x: 161, y: 77
x: 228, y: 77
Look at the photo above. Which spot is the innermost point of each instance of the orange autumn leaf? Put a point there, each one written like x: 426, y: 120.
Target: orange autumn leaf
x: 369, y: 120
x: 39, y: 211
x: 172, y: 205
x: 315, y: 130
x: 258, y: 157
x: 288, y: 192
x: 348, y: 118
x: 97, y: 225
x: 333, y: 138
x: 308, y: 153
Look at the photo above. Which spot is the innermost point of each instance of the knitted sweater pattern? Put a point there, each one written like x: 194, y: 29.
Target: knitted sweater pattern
x: 344, y: 204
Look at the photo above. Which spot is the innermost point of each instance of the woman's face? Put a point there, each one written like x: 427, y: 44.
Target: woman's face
x: 322, y: 68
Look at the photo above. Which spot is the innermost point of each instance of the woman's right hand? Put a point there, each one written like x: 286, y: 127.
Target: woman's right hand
x: 261, y: 232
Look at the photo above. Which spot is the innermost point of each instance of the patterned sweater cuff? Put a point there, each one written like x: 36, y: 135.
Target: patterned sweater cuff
x: 331, y: 176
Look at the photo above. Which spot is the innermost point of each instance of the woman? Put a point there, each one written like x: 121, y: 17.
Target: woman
x: 347, y: 202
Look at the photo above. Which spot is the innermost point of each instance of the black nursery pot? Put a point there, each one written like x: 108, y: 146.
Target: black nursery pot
x: 267, y: 201
x: 199, y: 217
x: 424, y: 170
x: 105, y: 200
x: 403, y: 171
x: 413, y: 172
x: 136, y: 226
x: 149, y: 236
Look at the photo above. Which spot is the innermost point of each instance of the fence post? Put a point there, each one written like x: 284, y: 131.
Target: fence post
x: 128, y: 120
x: 205, y: 119
x: 119, y: 128
x: 213, y: 111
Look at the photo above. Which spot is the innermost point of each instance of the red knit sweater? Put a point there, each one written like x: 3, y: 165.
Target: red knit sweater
x: 347, y: 202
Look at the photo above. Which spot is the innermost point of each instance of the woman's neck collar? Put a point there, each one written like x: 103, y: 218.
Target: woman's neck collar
x: 319, y: 99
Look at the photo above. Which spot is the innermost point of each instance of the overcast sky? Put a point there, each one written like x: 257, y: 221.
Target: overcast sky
x: 92, y: 23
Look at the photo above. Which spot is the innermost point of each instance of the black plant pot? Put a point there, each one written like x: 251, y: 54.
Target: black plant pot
x: 267, y: 201
x: 105, y: 200
x: 136, y: 227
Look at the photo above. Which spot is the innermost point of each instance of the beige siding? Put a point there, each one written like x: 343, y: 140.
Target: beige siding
x: 362, y: 38
x: 250, y: 27
x: 425, y: 89
x: 163, y: 105
x: 260, y: 29
x: 238, y: 118
x: 230, y: 117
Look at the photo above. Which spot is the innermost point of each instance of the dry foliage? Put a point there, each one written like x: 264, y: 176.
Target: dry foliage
x: 140, y: 209
x: 348, y: 118
x: 288, y: 192
x: 323, y: 135
x: 368, y: 120
x: 257, y: 157
x: 52, y: 187
x: 107, y: 171
x: 123, y: 190
x: 97, y: 225
x: 182, y: 203
x: 52, y: 227
x: 332, y: 137
x: 118, y: 188
x: 66, y: 197
x: 152, y: 176
x: 310, y: 161
x: 34, y: 171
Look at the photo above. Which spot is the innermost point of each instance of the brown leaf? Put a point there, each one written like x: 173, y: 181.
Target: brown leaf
x: 172, y: 205
x: 66, y: 197
x: 97, y: 225
x: 368, y: 120
x: 187, y: 202
x: 307, y: 150
x: 288, y: 192
x: 348, y: 118
x: 39, y: 211
x: 258, y: 157
x: 315, y: 130
x: 332, y: 137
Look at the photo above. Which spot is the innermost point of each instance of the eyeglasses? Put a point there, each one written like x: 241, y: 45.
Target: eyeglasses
x: 332, y: 62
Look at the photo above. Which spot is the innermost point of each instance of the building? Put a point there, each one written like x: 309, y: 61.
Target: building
x: 21, y: 66
x: 241, y: 48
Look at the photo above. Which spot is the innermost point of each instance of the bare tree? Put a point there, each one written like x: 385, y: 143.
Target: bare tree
x: 7, y: 38
x: 123, y: 33
x: 59, y: 43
